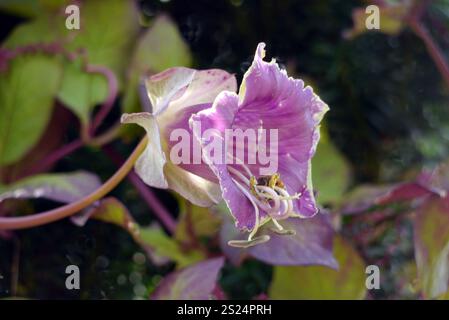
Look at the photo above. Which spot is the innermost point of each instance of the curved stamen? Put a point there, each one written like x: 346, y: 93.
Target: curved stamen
x: 249, y: 243
x: 269, y: 194
x: 241, y: 163
x: 288, y: 199
x: 280, y: 230
x: 262, y: 205
x: 284, y: 213
x: 266, y: 205
x: 239, y: 174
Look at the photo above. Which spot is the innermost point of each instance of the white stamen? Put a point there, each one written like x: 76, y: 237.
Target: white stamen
x: 270, y: 194
x: 240, y: 162
x: 288, y: 198
x: 280, y: 229
x: 262, y: 205
x: 277, y: 225
x: 239, y: 174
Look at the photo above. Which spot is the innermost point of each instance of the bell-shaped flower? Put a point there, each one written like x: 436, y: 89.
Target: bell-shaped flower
x: 259, y: 144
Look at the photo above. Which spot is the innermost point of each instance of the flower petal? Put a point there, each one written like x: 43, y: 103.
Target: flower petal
x: 195, y: 282
x: 197, y: 190
x: 150, y: 165
x: 183, y: 87
x: 269, y: 99
x: 163, y: 87
x: 205, y: 87
x: 181, y: 122
x: 219, y: 117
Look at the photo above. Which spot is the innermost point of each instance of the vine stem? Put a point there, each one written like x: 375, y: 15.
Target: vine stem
x: 14, y: 223
x: 112, y: 93
x: 53, y: 158
x: 414, y: 21
x: 149, y: 197
x: 432, y: 48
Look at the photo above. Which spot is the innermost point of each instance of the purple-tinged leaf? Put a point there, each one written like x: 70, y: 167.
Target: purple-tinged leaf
x: 108, y: 210
x: 310, y: 245
x: 368, y: 196
x: 431, y: 231
x: 228, y: 232
x: 319, y: 282
x: 407, y: 192
x: 196, y: 282
x: 60, y: 187
x: 438, y: 178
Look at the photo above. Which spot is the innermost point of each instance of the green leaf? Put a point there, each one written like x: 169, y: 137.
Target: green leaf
x: 431, y: 231
x: 195, y: 223
x: 25, y: 8
x: 43, y: 29
x: 80, y: 91
x: 160, y: 47
x: 27, y: 90
x: 108, y: 31
x: 168, y: 247
x: 30, y: 8
x: 113, y: 211
x: 331, y: 173
x: 196, y: 282
x: 318, y: 282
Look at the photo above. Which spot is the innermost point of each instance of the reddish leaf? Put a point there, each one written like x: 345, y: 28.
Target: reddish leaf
x: 368, y: 196
x: 196, y: 282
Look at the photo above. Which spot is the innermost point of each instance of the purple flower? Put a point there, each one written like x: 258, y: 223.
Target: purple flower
x: 267, y: 100
x: 259, y: 184
x: 171, y: 94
